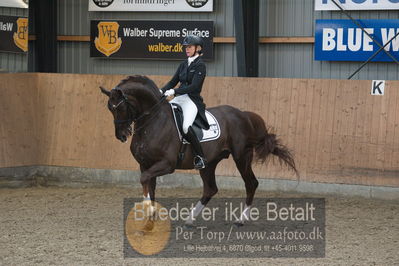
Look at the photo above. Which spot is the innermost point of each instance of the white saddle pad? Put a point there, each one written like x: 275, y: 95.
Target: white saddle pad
x: 212, y: 133
x: 214, y: 129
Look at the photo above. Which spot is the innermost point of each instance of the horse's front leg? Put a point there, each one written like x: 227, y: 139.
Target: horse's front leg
x: 148, y: 182
x: 148, y: 177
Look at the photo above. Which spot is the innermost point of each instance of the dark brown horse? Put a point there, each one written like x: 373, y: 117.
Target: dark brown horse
x: 155, y: 143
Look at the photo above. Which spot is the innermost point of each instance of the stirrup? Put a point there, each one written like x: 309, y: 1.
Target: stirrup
x: 199, y: 162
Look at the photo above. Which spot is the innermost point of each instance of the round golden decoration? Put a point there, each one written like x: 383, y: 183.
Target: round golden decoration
x: 147, y: 235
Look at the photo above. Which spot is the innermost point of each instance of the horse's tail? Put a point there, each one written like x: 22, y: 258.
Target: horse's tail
x: 265, y: 144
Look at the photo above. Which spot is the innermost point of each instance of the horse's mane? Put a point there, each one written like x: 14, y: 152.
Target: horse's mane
x: 143, y: 80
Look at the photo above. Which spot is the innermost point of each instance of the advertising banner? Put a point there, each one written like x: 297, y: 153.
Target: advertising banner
x: 357, y: 4
x: 152, y: 5
x: 13, y: 34
x: 142, y: 39
x: 14, y: 3
x: 342, y: 40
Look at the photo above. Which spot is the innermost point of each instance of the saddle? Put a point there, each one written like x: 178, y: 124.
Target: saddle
x: 203, y: 135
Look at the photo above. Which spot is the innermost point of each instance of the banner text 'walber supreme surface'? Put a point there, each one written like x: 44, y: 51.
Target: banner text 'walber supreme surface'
x: 140, y: 39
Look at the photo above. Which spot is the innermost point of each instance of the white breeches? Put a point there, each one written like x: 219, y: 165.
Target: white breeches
x: 189, y: 110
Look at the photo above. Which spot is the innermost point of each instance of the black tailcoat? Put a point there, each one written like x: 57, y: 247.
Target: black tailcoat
x: 191, y: 79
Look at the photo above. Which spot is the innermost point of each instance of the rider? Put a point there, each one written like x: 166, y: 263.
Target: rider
x: 191, y: 74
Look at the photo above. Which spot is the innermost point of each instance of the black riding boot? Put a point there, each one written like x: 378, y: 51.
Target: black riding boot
x: 199, y: 160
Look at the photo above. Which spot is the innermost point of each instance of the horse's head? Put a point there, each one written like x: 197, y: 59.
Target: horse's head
x: 123, y: 114
x: 130, y: 101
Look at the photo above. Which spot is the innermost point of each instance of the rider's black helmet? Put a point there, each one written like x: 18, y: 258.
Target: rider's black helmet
x: 193, y: 40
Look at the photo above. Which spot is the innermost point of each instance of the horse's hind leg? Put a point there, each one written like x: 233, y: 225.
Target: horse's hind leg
x: 208, y: 179
x: 243, y: 164
x: 209, y: 190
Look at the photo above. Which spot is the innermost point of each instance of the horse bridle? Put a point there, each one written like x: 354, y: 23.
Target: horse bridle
x: 115, y: 106
x: 131, y: 120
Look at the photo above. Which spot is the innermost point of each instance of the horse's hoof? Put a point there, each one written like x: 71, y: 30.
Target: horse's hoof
x: 239, y: 224
x: 188, y: 226
x: 149, y: 225
x: 139, y: 233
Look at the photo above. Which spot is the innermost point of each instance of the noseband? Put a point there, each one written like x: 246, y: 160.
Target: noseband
x: 115, y: 106
x: 130, y: 120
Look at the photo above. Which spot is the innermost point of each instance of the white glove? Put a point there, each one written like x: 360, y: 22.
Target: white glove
x: 170, y: 92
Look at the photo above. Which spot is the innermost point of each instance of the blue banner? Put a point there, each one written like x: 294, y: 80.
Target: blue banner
x: 342, y: 40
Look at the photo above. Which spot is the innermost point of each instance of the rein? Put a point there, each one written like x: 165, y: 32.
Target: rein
x: 131, y: 120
